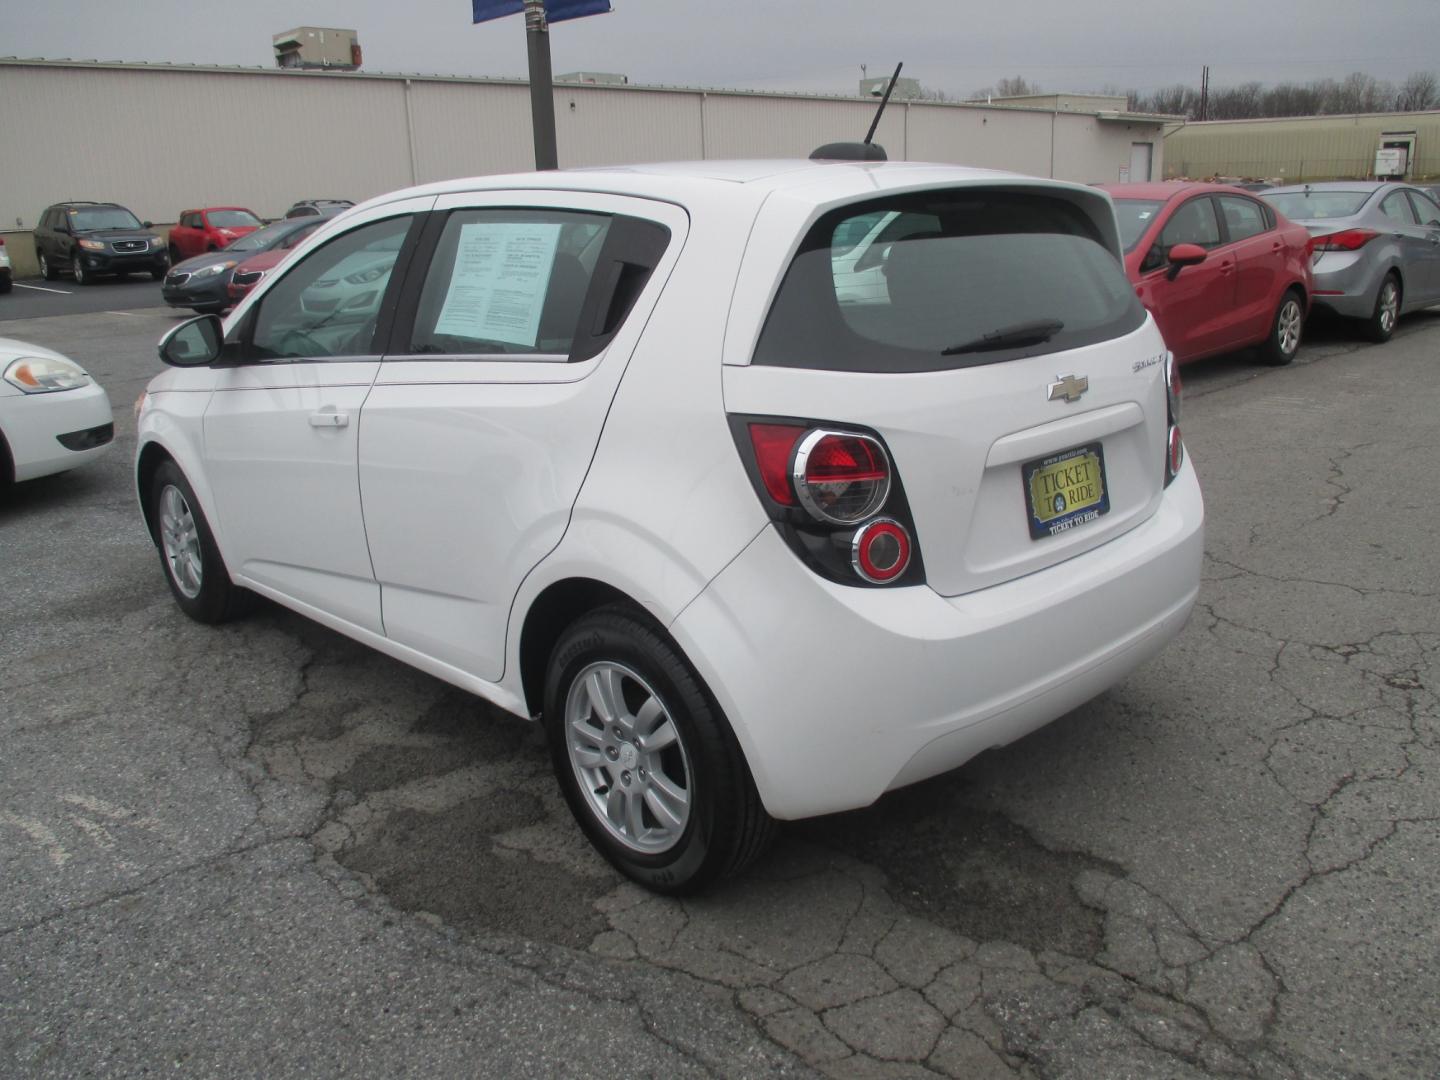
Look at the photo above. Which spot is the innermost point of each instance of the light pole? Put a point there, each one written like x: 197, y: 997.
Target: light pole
x: 542, y: 91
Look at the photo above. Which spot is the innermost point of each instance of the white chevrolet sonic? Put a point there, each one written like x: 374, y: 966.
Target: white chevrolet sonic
x: 759, y: 525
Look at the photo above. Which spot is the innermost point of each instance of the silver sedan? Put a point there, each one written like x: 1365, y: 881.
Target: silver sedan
x: 1376, y: 247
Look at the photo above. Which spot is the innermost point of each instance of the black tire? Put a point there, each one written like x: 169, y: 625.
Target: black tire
x: 5, y: 284
x: 82, y: 277
x: 1286, y: 330
x: 48, y: 272
x: 174, y: 253
x: 1380, y: 327
x: 725, y: 827
x: 213, y: 598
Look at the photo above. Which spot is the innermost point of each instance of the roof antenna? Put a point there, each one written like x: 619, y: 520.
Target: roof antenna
x: 861, y: 151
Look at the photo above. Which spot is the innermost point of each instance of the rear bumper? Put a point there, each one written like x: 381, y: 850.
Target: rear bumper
x: 35, y: 425
x: 1348, y: 283
x: 838, y: 695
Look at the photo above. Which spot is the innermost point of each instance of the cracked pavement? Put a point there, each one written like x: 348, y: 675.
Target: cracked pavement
x: 265, y: 850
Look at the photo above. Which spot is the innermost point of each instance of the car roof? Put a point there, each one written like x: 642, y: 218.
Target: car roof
x: 707, y: 183
x: 1170, y: 189
x: 1338, y: 185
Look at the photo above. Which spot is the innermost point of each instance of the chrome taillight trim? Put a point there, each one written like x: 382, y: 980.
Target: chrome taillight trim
x: 902, y: 564
x: 806, y: 446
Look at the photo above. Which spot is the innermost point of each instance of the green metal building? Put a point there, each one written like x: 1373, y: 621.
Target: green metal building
x: 1309, y: 148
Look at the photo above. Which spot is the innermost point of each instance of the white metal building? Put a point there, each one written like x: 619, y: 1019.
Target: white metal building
x: 163, y: 138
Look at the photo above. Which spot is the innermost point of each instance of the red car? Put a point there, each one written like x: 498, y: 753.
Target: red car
x: 1219, y: 269
x: 211, y: 229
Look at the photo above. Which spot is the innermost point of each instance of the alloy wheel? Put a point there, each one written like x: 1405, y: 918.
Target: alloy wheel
x: 181, y: 541
x: 1389, y: 305
x: 629, y: 758
x: 1288, y: 326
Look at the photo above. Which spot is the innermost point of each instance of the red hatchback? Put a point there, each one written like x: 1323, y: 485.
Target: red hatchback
x: 1219, y: 269
x: 211, y: 229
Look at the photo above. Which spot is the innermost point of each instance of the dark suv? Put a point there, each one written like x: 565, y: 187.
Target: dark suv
x: 92, y: 238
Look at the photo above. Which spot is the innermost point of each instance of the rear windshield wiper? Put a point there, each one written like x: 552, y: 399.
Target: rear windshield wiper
x: 1027, y: 333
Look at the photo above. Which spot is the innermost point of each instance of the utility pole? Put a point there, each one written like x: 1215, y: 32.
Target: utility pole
x: 542, y: 85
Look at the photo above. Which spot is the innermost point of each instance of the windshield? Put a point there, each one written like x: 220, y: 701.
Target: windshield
x: 233, y: 219
x: 103, y: 217
x: 945, y: 279
x: 1316, y: 205
x: 1134, y: 217
x: 266, y: 238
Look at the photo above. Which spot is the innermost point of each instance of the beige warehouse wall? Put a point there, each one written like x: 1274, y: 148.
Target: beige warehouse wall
x: 163, y: 139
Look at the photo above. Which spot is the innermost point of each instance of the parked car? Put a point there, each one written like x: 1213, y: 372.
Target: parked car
x: 203, y: 283
x: 312, y: 207
x: 91, y: 239
x: 606, y: 447
x: 248, y: 273
x: 53, y: 415
x: 1219, y: 269
x: 1377, y: 248
x: 211, y: 229
x: 6, y: 280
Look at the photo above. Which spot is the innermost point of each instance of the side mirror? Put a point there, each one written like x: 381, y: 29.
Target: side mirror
x: 194, y: 343
x: 1183, y: 255
x: 148, y: 224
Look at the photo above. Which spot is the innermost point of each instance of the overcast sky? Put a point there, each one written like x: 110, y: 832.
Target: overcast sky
x: 957, y: 46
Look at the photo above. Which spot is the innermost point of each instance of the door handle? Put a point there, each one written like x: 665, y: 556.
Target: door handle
x: 329, y: 418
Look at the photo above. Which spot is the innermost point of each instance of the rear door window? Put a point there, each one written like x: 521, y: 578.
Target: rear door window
x: 960, y: 278
x: 1397, y: 208
x: 1243, y: 217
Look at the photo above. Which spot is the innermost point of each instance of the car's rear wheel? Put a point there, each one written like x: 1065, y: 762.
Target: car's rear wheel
x: 1286, y: 331
x: 1381, y: 325
x: 193, y: 567
x: 647, y: 762
x: 48, y: 272
x: 82, y: 276
x: 5, y: 283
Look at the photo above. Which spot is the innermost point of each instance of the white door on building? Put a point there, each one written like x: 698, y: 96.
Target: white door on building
x: 1140, y: 154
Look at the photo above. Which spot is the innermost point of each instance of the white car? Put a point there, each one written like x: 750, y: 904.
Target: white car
x: 613, y: 451
x: 53, y: 415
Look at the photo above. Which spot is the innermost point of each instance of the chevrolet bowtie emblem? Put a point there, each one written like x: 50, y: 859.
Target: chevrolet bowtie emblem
x: 1069, y: 387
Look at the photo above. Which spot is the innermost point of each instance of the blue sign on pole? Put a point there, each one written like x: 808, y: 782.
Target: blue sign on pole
x: 560, y: 10
x: 555, y: 10
x: 484, y: 10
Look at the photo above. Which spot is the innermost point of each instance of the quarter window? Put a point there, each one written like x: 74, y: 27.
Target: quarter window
x: 508, y: 282
x: 329, y: 304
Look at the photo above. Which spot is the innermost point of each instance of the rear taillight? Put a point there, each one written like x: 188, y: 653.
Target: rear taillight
x: 1347, y: 240
x: 840, y: 477
x: 834, y: 496
x: 1174, y: 445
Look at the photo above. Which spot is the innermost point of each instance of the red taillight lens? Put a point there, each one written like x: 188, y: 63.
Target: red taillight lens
x: 840, y: 477
x: 880, y: 551
x: 1348, y: 240
x: 774, y: 443
x: 1174, y: 455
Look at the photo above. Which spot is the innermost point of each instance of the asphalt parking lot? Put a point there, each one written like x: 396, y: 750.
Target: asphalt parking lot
x: 265, y: 850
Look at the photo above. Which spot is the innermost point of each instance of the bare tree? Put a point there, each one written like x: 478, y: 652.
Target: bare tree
x: 1420, y: 91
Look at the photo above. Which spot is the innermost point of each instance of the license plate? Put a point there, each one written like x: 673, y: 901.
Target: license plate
x: 1065, y: 490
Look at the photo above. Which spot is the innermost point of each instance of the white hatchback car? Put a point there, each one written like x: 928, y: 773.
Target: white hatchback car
x: 616, y: 448
x: 53, y: 415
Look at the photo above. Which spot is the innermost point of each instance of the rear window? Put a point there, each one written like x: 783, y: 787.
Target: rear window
x: 944, y: 280
x: 1316, y: 205
x: 233, y: 219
